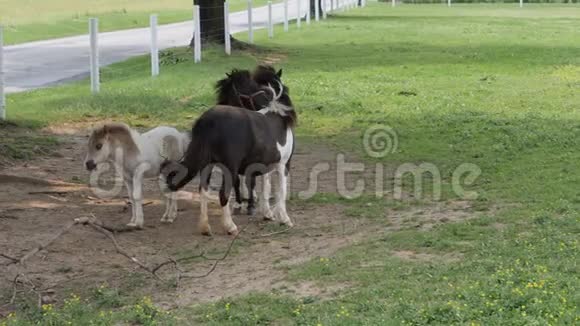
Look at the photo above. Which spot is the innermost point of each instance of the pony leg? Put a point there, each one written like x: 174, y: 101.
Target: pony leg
x: 243, y: 191
x: 170, y: 208
x: 281, y: 194
x: 264, y: 200
x: 251, y: 184
x: 203, y: 224
x: 138, y: 195
x: 168, y: 201
x: 129, y: 186
x: 239, y: 194
x: 225, y: 191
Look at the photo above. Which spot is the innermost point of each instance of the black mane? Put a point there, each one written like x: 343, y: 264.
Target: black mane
x: 266, y: 75
x: 226, y: 88
x: 239, y: 89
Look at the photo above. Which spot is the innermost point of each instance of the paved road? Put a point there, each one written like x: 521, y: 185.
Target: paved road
x: 46, y: 63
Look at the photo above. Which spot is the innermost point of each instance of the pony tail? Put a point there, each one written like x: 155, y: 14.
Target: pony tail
x: 178, y: 174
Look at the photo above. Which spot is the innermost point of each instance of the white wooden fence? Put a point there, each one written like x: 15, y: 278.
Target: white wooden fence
x: 302, y: 8
x: 2, y: 94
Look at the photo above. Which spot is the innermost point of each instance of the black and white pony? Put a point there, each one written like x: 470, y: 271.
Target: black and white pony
x: 238, y: 89
x: 241, y: 141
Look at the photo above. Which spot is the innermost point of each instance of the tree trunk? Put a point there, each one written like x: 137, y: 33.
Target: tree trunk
x: 211, y: 14
x: 313, y: 4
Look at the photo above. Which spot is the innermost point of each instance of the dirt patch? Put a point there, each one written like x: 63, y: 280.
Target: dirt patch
x: 32, y: 211
x: 426, y: 217
x: 426, y: 257
x: 311, y: 290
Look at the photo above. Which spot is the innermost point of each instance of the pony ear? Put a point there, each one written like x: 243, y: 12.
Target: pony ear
x: 279, y: 73
x: 228, y: 74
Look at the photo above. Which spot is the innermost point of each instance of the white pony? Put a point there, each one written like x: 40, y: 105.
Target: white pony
x: 138, y: 156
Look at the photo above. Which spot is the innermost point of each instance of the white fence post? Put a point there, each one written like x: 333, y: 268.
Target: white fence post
x: 393, y: 3
x: 308, y: 4
x: 227, y: 39
x: 317, y: 9
x: 448, y: 3
x: 299, y: 16
x: 521, y: 3
x: 2, y: 95
x: 197, y: 36
x: 270, y: 22
x: 285, y: 15
x: 324, y: 6
x: 250, y: 24
x: 94, y: 33
x: 154, y: 49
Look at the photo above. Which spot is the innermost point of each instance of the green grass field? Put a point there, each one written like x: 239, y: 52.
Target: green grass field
x: 32, y: 20
x: 495, y: 86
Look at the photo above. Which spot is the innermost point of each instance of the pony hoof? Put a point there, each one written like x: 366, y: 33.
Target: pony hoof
x: 233, y: 231
x: 206, y: 233
x: 268, y: 217
x: 166, y: 221
x: 287, y: 223
x: 251, y: 211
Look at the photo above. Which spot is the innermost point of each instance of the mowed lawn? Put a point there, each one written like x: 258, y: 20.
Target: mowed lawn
x: 495, y: 86
x: 32, y: 20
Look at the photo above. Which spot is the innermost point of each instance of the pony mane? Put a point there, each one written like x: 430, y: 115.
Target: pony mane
x: 119, y: 132
x: 224, y: 88
x: 266, y: 75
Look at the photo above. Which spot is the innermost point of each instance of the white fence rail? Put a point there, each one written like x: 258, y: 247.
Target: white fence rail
x: 154, y: 48
x: 153, y: 39
x: 2, y: 79
x: 94, y: 58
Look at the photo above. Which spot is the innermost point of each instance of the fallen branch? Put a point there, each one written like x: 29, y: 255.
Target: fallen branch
x: 117, y: 229
x: 39, y: 247
x: 60, y: 193
x: 14, y: 288
x: 111, y: 236
x: 277, y: 232
x: 128, y: 204
x: 226, y: 254
x: 13, y: 259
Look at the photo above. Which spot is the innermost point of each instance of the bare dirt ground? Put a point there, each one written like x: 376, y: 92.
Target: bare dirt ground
x: 39, y: 197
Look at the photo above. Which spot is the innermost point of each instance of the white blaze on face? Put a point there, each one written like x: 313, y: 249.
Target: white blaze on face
x: 286, y: 149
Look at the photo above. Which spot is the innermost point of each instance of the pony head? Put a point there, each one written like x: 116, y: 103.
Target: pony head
x: 239, y: 89
x: 267, y: 76
x: 104, y: 140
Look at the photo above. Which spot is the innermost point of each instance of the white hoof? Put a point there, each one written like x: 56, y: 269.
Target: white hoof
x: 288, y: 223
x: 233, y: 231
x: 167, y: 218
x: 204, y: 229
x: 268, y: 216
x: 135, y: 225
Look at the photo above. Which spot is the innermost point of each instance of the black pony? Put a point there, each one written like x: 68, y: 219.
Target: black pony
x: 240, y: 90
x: 241, y: 141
